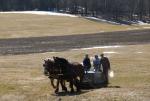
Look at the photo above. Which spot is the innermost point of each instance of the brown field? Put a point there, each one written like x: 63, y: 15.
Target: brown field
x: 28, y: 25
x: 22, y: 79
x: 21, y: 76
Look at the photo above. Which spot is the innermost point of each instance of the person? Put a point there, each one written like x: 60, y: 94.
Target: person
x: 105, y: 66
x: 96, y: 63
x: 86, y: 63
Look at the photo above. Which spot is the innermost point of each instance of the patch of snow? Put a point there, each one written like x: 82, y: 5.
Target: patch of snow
x: 142, y: 23
x: 49, y: 52
x: 39, y: 13
x: 146, y: 27
x: 109, y: 52
x: 132, y: 28
x: 94, y: 18
x: 103, y: 20
x: 139, y: 52
x: 98, y: 47
x: 137, y: 22
x: 117, y: 23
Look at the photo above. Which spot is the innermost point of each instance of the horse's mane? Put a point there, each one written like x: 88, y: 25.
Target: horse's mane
x: 62, y: 63
x: 62, y: 60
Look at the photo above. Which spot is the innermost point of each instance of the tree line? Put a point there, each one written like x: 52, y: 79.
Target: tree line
x: 114, y: 9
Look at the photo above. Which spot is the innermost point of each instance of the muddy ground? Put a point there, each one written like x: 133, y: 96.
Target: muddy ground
x: 63, y: 43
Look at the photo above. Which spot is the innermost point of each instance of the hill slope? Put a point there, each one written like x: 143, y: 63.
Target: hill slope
x: 16, y: 25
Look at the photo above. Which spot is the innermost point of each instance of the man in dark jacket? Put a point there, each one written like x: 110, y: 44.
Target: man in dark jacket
x: 105, y: 66
x: 87, y: 63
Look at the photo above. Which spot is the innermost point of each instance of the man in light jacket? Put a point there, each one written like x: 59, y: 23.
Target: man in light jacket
x: 96, y: 63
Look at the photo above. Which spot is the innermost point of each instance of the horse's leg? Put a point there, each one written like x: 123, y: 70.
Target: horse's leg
x: 81, y: 78
x: 81, y: 74
x: 52, y: 82
x: 71, y: 85
x: 57, y: 87
x: 77, y: 84
x: 62, y: 82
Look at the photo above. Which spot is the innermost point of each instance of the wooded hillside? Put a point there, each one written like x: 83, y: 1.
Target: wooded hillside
x: 114, y: 9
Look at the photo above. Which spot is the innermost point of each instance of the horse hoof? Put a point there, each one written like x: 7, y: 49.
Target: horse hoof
x: 56, y: 91
x: 78, y: 90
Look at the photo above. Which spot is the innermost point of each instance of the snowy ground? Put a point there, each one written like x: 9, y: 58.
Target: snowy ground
x: 70, y: 15
x: 33, y: 23
x: 117, y: 23
x: 40, y: 13
x: 98, y: 47
x: 103, y: 20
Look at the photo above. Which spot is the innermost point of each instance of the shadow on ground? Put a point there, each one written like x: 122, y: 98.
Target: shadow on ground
x: 69, y: 93
x: 85, y: 89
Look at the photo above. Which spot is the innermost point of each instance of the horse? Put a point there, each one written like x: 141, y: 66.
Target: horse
x: 71, y: 72
x: 53, y: 73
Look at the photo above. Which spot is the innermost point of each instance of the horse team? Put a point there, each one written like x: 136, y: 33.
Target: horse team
x: 62, y: 70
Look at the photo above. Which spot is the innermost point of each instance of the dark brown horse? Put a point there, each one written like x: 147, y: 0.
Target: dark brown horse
x: 53, y: 73
x: 58, y: 69
x: 72, y: 72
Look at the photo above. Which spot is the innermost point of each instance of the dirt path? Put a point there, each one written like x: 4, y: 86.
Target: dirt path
x: 61, y: 43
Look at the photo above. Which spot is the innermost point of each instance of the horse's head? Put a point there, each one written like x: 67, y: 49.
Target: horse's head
x: 48, y: 66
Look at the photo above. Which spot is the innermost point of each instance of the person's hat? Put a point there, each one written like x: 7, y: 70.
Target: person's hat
x: 86, y: 55
x: 102, y: 54
x: 96, y: 56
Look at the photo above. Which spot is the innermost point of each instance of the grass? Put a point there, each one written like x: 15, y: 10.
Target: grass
x: 22, y: 76
x: 28, y: 25
x: 5, y: 88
